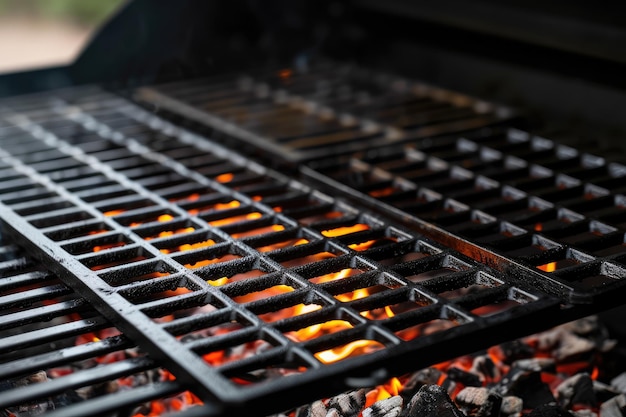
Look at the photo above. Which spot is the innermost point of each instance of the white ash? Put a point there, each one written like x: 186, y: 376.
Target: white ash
x: 584, y: 413
x: 472, y: 396
x: 577, y: 389
x: 619, y: 383
x: 348, y: 405
x: 390, y: 407
x: 536, y: 364
x: 615, y: 407
x: 512, y: 406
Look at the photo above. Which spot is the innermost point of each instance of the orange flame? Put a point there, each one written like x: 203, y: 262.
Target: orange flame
x: 549, y: 267
x: 357, y: 347
x: 346, y: 230
x: 228, y: 177
x: 112, y: 213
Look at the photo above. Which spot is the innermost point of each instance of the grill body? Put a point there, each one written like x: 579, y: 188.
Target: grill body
x: 421, y: 223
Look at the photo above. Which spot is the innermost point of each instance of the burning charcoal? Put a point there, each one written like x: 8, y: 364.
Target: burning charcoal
x: 549, y: 411
x: 479, y: 402
x: 584, y: 413
x: 431, y: 401
x: 428, y: 376
x: 536, y: 365
x: 619, y: 383
x: 34, y: 408
x: 577, y: 390
x: 472, y: 397
x: 390, y: 407
x: 449, y: 385
x: 511, y: 406
x: 592, y: 329
x: 107, y: 387
x: 318, y: 409
x: 483, y: 365
x: 615, y: 407
x: 527, y: 386
x: 603, y: 391
x: 347, y: 405
x: 515, y: 350
x: 67, y: 398
x: 466, y: 378
x: 563, y: 344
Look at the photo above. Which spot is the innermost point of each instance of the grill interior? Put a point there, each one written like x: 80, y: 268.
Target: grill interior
x: 192, y: 250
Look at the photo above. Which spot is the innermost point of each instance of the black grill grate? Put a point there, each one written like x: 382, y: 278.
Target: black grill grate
x: 544, y: 205
x: 62, y: 357
x: 193, y: 252
x: 330, y: 108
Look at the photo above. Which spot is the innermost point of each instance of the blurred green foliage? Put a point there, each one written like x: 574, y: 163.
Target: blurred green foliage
x: 84, y: 12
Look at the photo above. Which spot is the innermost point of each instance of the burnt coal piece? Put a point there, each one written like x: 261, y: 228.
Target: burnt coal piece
x: 551, y: 374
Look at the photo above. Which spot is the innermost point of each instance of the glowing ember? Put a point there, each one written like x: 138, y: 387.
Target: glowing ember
x: 346, y: 230
x: 224, y: 178
x: 235, y: 219
x: 165, y: 218
x: 112, y: 213
x: 285, y: 73
x: 549, y: 267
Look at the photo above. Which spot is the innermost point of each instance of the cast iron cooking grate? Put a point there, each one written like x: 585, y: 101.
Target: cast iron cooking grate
x: 328, y: 109
x: 61, y: 357
x: 192, y: 251
x: 525, y: 198
x: 499, y: 196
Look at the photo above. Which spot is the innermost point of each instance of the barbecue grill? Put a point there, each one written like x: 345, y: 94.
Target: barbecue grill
x: 348, y: 222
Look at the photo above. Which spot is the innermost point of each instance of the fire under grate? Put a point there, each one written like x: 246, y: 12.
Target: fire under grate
x: 193, y: 251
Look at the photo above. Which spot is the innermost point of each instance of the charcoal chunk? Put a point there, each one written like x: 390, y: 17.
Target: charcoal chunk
x: 619, y: 383
x: 615, y: 407
x: 515, y: 350
x: 511, y: 406
x: 549, y: 411
x: 483, y: 365
x: 348, y: 405
x: 536, y: 365
x: 431, y: 401
x: 577, y: 390
x: 527, y: 386
x: 604, y: 392
x: 428, y: 376
x: 390, y: 407
x: 466, y: 378
x: 479, y: 402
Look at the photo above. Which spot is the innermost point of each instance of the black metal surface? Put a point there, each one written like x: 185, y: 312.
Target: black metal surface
x: 545, y: 206
x: 192, y: 250
x: 61, y: 357
x: 304, y: 114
